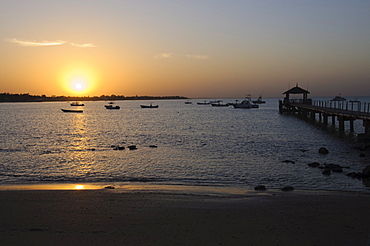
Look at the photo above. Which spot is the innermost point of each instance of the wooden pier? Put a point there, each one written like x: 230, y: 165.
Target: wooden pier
x: 341, y: 111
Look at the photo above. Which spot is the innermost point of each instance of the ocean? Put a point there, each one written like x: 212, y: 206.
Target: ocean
x: 177, y: 144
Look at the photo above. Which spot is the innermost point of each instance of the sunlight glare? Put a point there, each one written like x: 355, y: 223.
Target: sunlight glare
x: 79, y: 81
x: 79, y: 187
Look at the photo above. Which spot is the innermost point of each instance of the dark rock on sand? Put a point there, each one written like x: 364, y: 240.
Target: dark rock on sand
x: 260, y: 187
x: 323, y: 150
x: 287, y: 188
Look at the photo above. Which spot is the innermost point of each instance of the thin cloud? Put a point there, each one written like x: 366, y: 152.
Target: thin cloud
x: 34, y: 43
x: 199, y: 57
x: 88, y: 45
x: 163, y: 56
x: 171, y: 55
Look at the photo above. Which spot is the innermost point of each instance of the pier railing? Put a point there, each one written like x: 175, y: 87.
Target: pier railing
x: 355, y: 109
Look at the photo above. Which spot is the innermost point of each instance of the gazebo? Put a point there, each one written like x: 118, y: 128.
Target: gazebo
x: 297, y: 90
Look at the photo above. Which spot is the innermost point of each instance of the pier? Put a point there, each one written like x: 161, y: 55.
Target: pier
x: 340, y: 110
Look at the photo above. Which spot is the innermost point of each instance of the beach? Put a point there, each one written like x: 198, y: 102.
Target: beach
x: 165, y: 217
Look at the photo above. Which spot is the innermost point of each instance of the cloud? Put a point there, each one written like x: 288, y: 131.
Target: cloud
x: 171, y: 55
x: 88, y: 45
x: 163, y: 56
x: 46, y: 43
x: 34, y: 43
x: 199, y: 57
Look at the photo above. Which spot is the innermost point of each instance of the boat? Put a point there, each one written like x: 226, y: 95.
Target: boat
x: 259, y: 100
x: 112, y: 107
x: 246, y: 103
x: 188, y: 102
x: 232, y: 104
x: 203, y: 103
x: 149, y: 106
x: 220, y: 104
x: 77, y: 104
x: 339, y: 98
x: 72, y: 110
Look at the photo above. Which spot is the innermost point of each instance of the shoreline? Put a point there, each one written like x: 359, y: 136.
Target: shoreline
x: 155, y: 216
x: 166, y: 188
x: 186, y: 189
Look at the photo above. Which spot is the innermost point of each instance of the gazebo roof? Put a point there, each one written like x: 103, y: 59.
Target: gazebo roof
x: 296, y: 90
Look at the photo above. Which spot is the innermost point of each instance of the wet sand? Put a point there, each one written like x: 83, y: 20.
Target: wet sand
x: 121, y: 217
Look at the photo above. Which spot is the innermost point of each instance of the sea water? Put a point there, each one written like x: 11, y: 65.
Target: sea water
x: 177, y: 143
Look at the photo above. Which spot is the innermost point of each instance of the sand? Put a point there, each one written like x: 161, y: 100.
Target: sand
x: 121, y: 217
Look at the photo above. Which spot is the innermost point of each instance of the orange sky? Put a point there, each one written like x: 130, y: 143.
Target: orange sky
x: 189, y: 48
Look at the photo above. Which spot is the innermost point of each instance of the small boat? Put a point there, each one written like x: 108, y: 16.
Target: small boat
x: 203, y: 103
x: 246, y: 103
x: 259, y: 100
x: 149, y: 106
x: 188, y: 102
x: 220, y: 104
x: 232, y: 104
x: 339, y: 98
x: 72, y: 110
x: 77, y: 104
x: 112, y: 107
x: 355, y: 101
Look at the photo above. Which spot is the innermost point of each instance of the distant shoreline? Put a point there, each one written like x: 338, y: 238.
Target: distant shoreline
x: 8, y: 97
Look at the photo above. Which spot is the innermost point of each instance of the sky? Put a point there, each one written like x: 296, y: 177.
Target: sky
x: 192, y: 48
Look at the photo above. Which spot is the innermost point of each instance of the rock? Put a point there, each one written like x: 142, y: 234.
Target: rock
x: 366, y: 172
x: 132, y: 147
x: 326, y: 172
x: 323, y: 150
x: 118, y: 148
x: 337, y: 170
x: 287, y: 188
x: 314, y: 164
x: 260, y: 187
x: 334, y: 168
x: 354, y: 175
x: 289, y: 161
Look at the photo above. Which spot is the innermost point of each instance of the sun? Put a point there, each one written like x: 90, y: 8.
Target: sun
x: 79, y: 187
x: 78, y: 82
